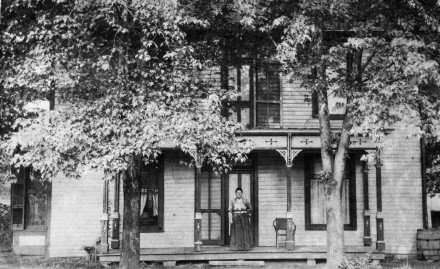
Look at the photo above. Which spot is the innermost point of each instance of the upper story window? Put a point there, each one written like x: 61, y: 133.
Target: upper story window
x: 259, y: 102
x: 336, y: 111
x: 336, y: 104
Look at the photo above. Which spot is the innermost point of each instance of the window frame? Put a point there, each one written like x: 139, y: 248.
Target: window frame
x: 351, y: 165
x: 253, y: 88
x: 263, y: 101
x: 23, y: 178
x: 315, y: 109
x: 159, y: 228
x: 314, y: 101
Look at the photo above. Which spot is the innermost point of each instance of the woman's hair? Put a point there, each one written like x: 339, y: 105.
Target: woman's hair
x: 238, y: 189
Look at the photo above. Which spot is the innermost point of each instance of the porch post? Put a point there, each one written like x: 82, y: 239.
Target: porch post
x: 198, y: 213
x: 103, y: 247
x: 289, y: 155
x: 380, y: 244
x: 114, y: 242
x: 367, y: 215
x: 290, y: 243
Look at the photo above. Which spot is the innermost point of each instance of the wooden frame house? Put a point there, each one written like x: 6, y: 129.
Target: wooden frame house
x: 184, y: 210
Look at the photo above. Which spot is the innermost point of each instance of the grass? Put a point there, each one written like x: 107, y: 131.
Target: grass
x: 410, y: 264
x: 13, y: 261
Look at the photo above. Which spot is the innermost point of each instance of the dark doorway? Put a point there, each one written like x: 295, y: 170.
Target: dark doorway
x: 435, y: 218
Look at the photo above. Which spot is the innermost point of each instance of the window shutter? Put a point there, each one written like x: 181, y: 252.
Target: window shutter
x: 17, y: 205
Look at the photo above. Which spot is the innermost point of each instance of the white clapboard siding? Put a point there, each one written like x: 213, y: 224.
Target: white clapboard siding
x: 76, y: 208
x: 402, y: 193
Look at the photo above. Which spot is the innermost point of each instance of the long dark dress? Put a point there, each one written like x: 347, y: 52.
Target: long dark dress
x: 241, y: 230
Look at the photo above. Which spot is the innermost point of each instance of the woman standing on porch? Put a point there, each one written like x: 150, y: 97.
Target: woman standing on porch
x: 239, y: 216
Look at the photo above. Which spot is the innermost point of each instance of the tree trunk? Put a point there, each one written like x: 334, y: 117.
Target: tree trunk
x: 335, y: 220
x: 335, y: 227
x: 130, y: 248
x: 333, y: 166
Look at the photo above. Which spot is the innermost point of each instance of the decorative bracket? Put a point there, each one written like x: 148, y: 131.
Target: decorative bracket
x: 371, y: 158
x: 285, y: 154
x: 193, y: 153
x: 196, y: 156
x: 374, y: 156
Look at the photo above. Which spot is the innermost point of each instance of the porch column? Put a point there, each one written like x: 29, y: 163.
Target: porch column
x: 103, y: 247
x: 367, y: 215
x: 380, y: 244
x: 290, y: 243
x: 289, y: 155
x: 114, y: 242
x: 198, y: 213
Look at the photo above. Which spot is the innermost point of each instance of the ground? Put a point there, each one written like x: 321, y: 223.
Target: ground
x: 8, y: 261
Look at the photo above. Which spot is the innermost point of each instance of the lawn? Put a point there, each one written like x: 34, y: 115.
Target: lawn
x: 8, y: 260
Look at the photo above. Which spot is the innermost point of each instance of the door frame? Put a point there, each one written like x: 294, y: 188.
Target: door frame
x: 252, y: 169
x: 220, y: 211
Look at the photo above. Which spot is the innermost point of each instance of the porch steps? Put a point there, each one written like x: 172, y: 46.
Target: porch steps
x: 224, y: 254
x: 241, y: 263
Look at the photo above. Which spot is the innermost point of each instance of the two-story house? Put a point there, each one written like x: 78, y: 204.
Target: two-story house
x: 382, y: 197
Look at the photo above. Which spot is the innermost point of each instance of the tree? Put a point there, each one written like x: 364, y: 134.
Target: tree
x: 377, y: 57
x: 126, y: 80
x: 378, y: 68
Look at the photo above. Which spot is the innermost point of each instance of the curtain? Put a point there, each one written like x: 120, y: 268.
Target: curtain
x: 155, y: 203
x: 144, y: 195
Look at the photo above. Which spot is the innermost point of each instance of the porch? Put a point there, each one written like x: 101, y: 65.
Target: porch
x: 278, y: 181
x: 215, y: 253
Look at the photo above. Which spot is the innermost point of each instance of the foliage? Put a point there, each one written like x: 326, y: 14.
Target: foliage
x: 359, y: 262
x: 433, y: 167
x: 5, y: 228
x: 378, y: 59
x: 126, y: 81
x: 394, y: 64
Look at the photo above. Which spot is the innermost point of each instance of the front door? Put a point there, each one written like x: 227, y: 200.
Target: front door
x: 216, y: 193
x: 212, y: 208
x: 245, y: 180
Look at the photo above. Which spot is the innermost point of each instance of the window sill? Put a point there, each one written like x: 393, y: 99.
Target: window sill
x: 29, y: 229
x: 332, y: 116
x: 151, y: 230
x: 323, y: 227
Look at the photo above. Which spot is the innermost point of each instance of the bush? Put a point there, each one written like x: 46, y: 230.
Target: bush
x: 5, y: 240
x: 5, y: 229
x: 360, y: 262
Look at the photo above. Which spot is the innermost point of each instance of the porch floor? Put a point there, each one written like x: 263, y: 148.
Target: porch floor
x: 213, y: 253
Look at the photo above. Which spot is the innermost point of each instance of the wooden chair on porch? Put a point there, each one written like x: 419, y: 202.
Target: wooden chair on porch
x: 280, y: 224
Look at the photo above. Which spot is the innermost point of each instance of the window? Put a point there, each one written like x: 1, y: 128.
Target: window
x: 240, y: 79
x: 152, y: 196
x: 268, y: 96
x: 29, y: 198
x: 259, y: 100
x: 336, y: 104
x: 316, y: 218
